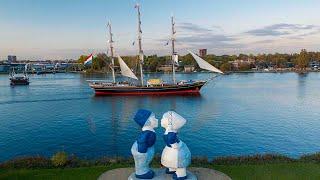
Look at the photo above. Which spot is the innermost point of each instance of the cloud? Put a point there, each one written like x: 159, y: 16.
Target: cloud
x: 195, y: 36
x: 206, y: 38
x: 282, y: 29
x: 267, y: 41
x: 186, y: 26
x: 210, y: 41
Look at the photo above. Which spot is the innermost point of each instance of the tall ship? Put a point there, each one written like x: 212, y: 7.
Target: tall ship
x: 153, y: 86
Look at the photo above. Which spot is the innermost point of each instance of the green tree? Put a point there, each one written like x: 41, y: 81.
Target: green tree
x: 303, y: 59
x: 187, y: 60
x: 151, y: 63
x: 225, y: 67
x: 244, y: 67
x: 100, y: 62
x: 82, y: 58
x: 59, y: 159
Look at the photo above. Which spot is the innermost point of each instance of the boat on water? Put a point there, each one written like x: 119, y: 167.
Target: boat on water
x: 19, y: 78
x: 153, y: 86
x: 182, y: 88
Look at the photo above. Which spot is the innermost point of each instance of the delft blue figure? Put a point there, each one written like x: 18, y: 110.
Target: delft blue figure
x: 176, y: 156
x: 143, y: 148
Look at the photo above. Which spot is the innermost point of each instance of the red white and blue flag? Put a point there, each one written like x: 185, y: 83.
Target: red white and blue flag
x: 89, y: 59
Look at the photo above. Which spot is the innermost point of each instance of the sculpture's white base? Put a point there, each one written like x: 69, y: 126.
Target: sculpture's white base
x: 201, y: 174
x: 160, y: 174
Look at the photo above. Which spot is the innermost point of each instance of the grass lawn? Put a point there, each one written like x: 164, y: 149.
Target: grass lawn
x: 291, y: 171
x: 297, y: 171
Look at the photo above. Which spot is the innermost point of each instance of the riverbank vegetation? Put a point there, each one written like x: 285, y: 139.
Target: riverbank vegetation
x: 268, y: 166
x: 242, y: 62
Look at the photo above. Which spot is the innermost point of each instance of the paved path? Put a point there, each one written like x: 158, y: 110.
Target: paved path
x: 201, y: 173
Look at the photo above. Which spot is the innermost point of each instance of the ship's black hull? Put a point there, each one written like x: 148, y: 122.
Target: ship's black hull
x: 19, y: 81
x: 14, y: 82
x: 182, y: 89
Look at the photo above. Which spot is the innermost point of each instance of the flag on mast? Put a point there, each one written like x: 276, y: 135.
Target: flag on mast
x: 88, y: 60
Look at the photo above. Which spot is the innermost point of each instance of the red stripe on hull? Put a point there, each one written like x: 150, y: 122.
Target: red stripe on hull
x: 136, y: 93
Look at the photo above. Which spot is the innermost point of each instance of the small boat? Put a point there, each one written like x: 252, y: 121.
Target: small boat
x: 158, y: 88
x: 19, y: 78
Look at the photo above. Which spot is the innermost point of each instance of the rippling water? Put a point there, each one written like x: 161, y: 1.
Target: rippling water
x: 236, y: 114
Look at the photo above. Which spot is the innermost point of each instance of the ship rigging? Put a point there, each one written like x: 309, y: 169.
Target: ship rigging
x: 154, y: 86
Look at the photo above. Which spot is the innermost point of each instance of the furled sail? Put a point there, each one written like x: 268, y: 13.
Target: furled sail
x: 26, y: 67
x: 125, y: 70
x: 204, y: 64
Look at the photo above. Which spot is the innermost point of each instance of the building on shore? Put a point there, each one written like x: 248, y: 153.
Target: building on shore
x: 4, y: 68
x: 189, y: 68
x: 165, y: 68
x: 12, y: 59
x: 202, y: 52
x: 237, y: 63
x: 40, y: 66
x: 17, y: 66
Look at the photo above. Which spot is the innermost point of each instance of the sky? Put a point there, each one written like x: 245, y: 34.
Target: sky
x: 66, y: 29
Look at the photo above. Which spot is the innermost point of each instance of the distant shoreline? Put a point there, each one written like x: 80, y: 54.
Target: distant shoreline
x: 228, y: 72
x: 37, y: 161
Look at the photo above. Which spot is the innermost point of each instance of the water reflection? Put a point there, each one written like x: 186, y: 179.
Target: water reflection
x: 302, y: 78
x: 114, y: 125
x: 91, y: 124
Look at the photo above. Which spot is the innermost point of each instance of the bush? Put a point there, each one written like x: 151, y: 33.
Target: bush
x: 59, y: 159
x: 74, y: 162
x: 311, y: 158
x: 200, y: 161
x: 27, y: 162
x: 105, y: 161
x: 255, y: 159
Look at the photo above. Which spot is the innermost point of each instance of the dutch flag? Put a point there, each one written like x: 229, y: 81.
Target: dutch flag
x: 88, y: 61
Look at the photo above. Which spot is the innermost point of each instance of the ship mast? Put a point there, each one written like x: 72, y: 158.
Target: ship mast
x: 173, y: 51
x: 111, y: 51
x: 141, y: 56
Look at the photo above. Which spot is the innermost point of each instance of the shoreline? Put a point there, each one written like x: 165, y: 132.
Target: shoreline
x: 37, y: 160
x: 240, y: 167
x: 226, y: 73
x: 206, y: 72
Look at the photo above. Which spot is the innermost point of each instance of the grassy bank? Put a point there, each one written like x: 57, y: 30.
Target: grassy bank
x: 296, y: 170
x: 237, y: 167
x: 68, y: 173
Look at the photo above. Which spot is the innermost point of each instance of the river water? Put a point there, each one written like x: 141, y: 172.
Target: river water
x: 237, y: 114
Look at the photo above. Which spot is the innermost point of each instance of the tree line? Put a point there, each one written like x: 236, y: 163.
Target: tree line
x: 101, y: 61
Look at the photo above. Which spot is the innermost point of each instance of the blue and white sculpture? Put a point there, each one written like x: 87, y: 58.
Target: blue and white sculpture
x: 143, y: 148
x: 176, y: 156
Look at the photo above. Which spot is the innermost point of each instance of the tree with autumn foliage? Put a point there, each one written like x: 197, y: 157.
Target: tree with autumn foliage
x: 303, y: 59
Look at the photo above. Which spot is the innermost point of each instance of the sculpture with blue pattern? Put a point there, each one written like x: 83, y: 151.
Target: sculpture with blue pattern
x: 176, y: 156
x: 143, y: 148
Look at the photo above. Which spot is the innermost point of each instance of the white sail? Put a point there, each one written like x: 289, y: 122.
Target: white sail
x: 125, y: 70
x: 204, y: 64
x: 175, y: 57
